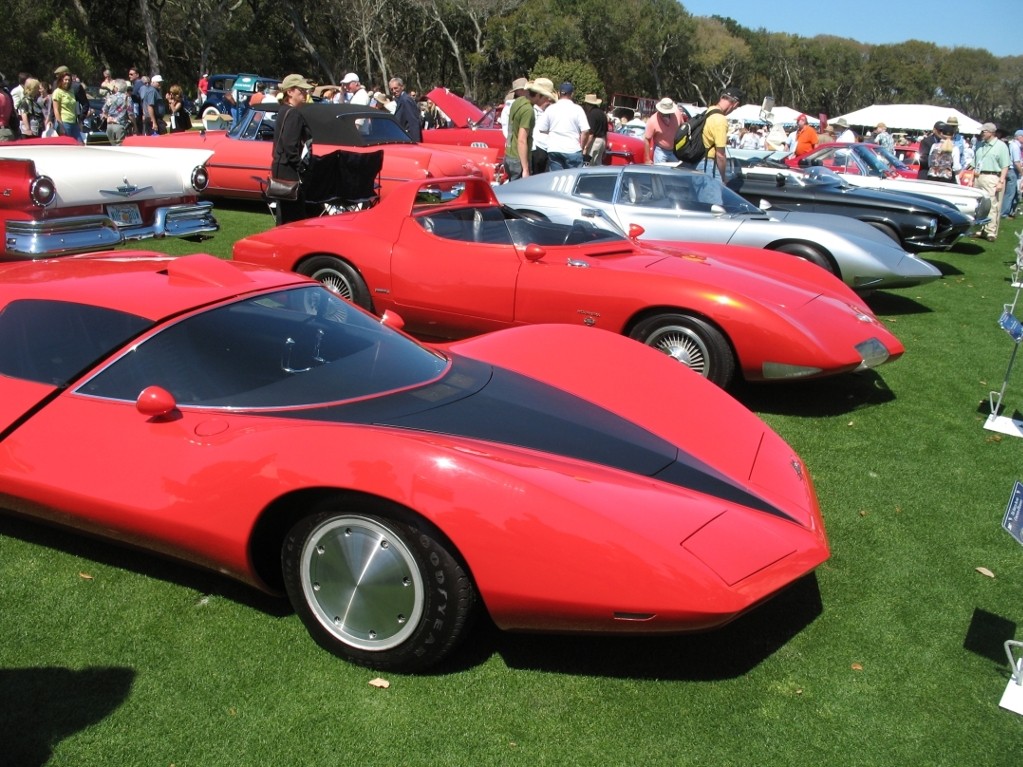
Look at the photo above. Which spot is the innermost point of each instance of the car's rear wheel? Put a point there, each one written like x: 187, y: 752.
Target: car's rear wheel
x: 808, y: 253
x: 377, y: 591
x: 210, y: 113
x: 339, y: 276
x: 692, y: 341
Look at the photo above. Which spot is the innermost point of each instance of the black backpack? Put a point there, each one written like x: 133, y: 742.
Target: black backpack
x: 689, y: 147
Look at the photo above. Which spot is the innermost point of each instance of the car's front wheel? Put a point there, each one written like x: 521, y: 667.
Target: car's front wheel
x: 692, y: 341
x: 808, y: 253
x: 339, y: 276
x: 377, y: 591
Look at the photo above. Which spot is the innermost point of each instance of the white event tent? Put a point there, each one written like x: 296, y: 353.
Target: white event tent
x: 910, y: 117
x: 750, y: 113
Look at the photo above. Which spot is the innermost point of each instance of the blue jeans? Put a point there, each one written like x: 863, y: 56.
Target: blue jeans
x: 664, y: 155
x: 1011, y: 194
x: 72, y: 130
x: 559, y: 160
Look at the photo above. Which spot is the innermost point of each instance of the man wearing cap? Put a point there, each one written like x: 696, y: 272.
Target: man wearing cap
x: 661, y: 129
x: 518, y: 89
x: 992, y: 163
x: 1011, y: 194
x: 567, y: 130
x: 354, y: 92
x: 593, y: 151
x: 715, y: 131
x: 154, y: 107
x: 883, y: 138
x: 806, y: 137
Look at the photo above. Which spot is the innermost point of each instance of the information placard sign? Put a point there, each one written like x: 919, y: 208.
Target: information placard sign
x: 1013, y: 520
x: 1011, y: 325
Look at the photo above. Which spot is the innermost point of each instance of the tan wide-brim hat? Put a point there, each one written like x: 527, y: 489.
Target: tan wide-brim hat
x: 544, y: 87
x: 666, y: 106
x: 295, y: 81
x: 591, y: 98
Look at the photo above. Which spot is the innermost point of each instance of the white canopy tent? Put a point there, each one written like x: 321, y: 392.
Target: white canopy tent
x: 909, y: 117
x: 750, y: 113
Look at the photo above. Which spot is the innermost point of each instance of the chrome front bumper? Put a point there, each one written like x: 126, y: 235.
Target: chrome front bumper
x: 79, y: 234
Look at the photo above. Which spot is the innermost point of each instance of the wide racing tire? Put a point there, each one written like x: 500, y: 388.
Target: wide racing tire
x: 378, y: 591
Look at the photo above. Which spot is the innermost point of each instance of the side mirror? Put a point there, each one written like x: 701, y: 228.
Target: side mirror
x: 764, y: 204
x: 717, y: 210
x: 779, y: 180
x: 392, y: 320
x: 535, y: 252
x: 156, y: 402
x: 636, y: 231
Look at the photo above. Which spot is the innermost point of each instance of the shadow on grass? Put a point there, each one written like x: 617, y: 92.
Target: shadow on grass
x: 724, y: 653
x: 968, y: 247
x: 987, y: 634
x: 883, y: 303
x: 42, y: 706
x: 815, y: 398
x: 202, y: 581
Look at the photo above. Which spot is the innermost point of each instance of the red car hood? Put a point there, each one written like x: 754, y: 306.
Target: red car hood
x: 458, y: 110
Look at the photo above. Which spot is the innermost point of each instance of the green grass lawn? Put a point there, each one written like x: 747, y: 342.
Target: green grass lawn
x: 891, y: 655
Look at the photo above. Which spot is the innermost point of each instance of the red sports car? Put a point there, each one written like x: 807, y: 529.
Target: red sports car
x: 254, y: 423
x: 851, y: 159
x: 475, y: 128
x: 241, y: 156
x: 454, y: 262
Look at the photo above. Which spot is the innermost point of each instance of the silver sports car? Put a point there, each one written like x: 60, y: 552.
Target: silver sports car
x: 675, y: 205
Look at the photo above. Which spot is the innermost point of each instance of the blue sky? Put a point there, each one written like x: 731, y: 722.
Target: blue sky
x: 942, y: 22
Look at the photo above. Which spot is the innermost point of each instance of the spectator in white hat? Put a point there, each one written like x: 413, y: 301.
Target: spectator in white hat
x: 354, y: 92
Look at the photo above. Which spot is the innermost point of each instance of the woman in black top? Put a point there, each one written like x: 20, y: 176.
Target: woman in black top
x: 292, y: 144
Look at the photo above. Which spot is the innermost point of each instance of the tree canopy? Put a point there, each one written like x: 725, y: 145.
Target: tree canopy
x: 649, y: 48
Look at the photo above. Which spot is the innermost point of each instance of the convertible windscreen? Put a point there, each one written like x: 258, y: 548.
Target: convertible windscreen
x: 290, y: 348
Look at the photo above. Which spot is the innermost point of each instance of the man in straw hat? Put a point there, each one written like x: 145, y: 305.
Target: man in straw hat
x: 543, y: 90
x: 518, y: 89
x: 519, y: 133
x: 661, y: 129
x: 593, y: 152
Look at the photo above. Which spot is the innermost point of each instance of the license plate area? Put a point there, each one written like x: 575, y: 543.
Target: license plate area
x: 125, y: 214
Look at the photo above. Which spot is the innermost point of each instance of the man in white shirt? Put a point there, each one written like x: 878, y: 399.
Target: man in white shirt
x: 567, y: 128
x: 846, y: 136
x: 354, y: 92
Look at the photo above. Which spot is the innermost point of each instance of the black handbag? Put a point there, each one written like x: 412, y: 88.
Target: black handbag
x: 282, y: 189
x: 279, y: 188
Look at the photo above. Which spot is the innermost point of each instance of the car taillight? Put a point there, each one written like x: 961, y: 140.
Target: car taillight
x: 42, y: 191
x: 200, y: 178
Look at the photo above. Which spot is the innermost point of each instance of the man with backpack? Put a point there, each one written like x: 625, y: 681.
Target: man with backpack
x: 706, y: 137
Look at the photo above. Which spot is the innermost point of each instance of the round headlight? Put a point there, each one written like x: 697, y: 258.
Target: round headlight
x: 200, y: 178
x: 42, y: 191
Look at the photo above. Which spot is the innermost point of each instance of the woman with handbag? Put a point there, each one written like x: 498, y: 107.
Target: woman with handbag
x: 292, y: 151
